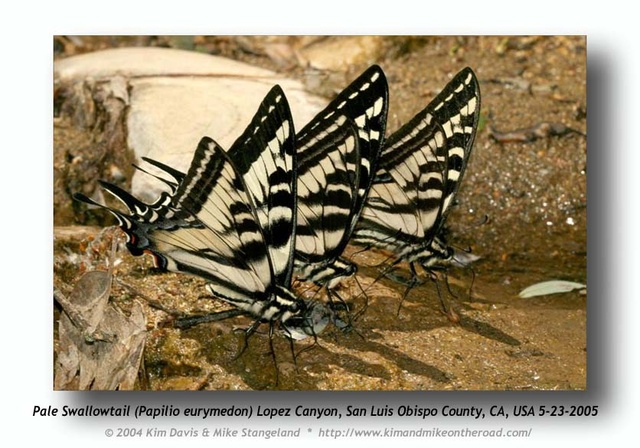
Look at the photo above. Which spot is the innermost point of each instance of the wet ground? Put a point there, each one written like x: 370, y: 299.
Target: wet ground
x: 521, y: 208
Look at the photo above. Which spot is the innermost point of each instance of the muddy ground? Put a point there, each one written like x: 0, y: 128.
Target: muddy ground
x: 521, y: 208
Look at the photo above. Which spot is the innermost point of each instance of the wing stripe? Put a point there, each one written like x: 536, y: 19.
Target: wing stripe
x: 333, y: 180
x: 419, y: 173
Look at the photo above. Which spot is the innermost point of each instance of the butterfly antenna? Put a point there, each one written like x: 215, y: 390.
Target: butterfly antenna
x: 359, y: 251
x: 467, y: 228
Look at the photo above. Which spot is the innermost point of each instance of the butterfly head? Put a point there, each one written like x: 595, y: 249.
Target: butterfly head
x: 440, y: 255
x: 310, y: 321
x: 437, y: 255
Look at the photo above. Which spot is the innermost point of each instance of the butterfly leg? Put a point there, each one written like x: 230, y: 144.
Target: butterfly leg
x: 411, y: 282
x: 364, y: 308
x: 191, y: 321
x: 336, y: 306
x: 345, y: 326
x: 248, y: 332
x: 272, y: 352
x: 445, y: 304
x: 415, y: 281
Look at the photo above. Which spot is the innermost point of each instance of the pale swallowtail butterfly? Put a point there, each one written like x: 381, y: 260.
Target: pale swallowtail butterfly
x: 333, y: 182
x: 231, y: 220
x: 419, y: 173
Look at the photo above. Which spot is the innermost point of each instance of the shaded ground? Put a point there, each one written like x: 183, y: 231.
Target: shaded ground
x: 521, y: 207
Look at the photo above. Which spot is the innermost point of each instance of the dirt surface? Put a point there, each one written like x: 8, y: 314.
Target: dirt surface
x: 521, y: 208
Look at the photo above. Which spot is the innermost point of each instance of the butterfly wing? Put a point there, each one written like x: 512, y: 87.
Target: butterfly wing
x: 420, y: 168
x: 365, y: 101
x: 457, y: 109
x: 265, y: 156
x: 335, y: 169
x: 327, y: 190
x: 216, y: 226
x: 400, y: 208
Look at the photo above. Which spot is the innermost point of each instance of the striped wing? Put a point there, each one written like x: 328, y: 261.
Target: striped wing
x: 327, y: 189
x: 421, y: 166
x: 335, y: 169
x: 365, y: 101
x: 407, y: 205
x: 265, y: 156
x: 213, y: 227
x: 211, y: 233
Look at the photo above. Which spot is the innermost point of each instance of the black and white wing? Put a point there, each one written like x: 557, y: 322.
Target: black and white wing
x: 401, y: 212
x: 419, y: 174
x: 178, y: 176
x: 221, y: 228
x: 337, y: 154
x: 265, y: 158
x: 327, y: 189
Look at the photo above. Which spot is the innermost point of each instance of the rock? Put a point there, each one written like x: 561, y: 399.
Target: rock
x: 175, y: 97
x: 338, y: 54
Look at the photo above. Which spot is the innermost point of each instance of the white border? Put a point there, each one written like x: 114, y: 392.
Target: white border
x: 26, y: 81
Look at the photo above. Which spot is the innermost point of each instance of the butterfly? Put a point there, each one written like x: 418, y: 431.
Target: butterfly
x: 231, y: 220
x: 334, y: 180
x: 419, y: 173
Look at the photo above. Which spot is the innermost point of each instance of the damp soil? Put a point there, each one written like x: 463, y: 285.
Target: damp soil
x: 521, y: 209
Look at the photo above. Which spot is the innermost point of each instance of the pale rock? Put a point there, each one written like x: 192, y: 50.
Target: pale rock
x: 176, y: 97
x: 339, y: 54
